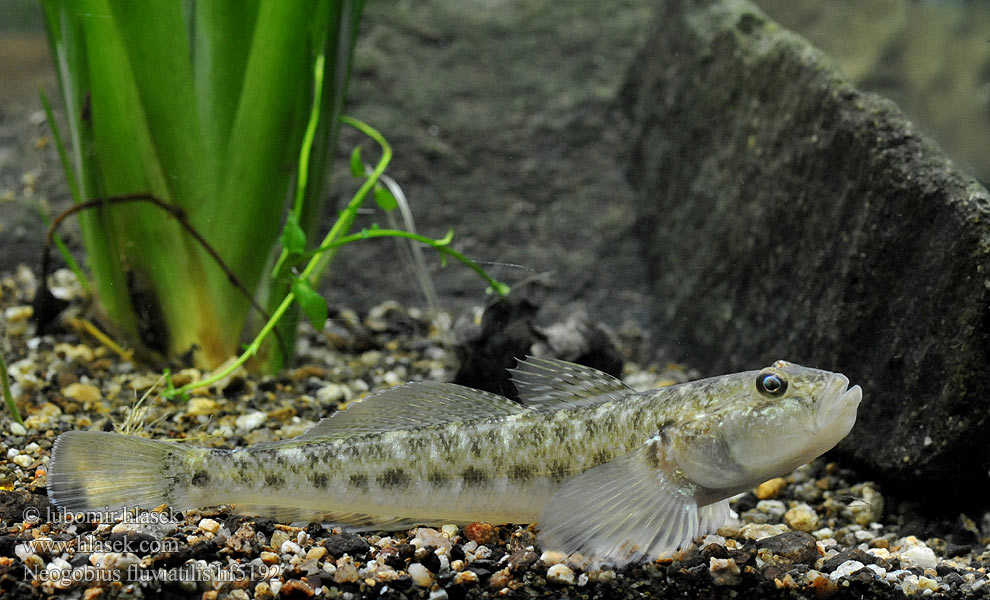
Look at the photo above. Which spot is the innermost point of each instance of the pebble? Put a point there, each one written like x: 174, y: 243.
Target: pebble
x: 269, y: 558
x: 758, y: 531
x: 346, y: 571
x: 420, y: 575
x: 333, y: 393
x: 560, y: 574
x: 251, y: 421
x: 279, y: 537
x: 913, y: 584
x: 81, y: 392
x: 23, y: 460
x: 845, y: 569
x: 449, y: 530
x: 774, y: 508
x: 919, y: 556
x: 316, y: 553
x: 466, y: 578
x: 770, y: 489
x: 209, y: 525
x: 17, y: 429
x: 801, y: 517
x: 201, y: 406
x: 724, y: 571
x: 553, y: 557
x: 480, y: 533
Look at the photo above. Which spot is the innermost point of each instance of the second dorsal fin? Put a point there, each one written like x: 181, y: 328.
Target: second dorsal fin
x: 551, y: 384
x: 411, y: 405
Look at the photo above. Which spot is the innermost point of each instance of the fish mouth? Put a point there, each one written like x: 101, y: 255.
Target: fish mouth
x: 840, y: 403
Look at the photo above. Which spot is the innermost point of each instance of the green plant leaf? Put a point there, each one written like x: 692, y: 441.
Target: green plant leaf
x: 357, y: 165
x: 385, y: 199
x: 293, y: 238
x: 311, y: 302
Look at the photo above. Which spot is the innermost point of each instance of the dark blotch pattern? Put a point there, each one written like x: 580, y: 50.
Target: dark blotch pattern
x: 392, y: 478
x: 521, y: 472
x: 319, y: 480
x: 358, y: 480
x: 274, y: 480
x: 200, y: 479
x: 474, y: 476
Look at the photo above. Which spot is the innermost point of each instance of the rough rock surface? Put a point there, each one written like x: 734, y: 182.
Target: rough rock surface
x: 786, y: 214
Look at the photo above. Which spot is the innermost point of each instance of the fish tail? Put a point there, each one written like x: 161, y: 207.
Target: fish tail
x: 92, y: 471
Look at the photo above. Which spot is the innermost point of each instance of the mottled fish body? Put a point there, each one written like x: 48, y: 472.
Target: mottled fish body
x: 610, y: 473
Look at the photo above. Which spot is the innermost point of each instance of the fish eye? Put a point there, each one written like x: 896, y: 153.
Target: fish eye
x: 771, y: 384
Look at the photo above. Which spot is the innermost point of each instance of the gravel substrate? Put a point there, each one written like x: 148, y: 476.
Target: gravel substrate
x: 819, y: 532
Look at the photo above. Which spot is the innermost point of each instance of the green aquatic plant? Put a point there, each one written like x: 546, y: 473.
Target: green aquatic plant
x: 225, y: 110
x: 8, y: 398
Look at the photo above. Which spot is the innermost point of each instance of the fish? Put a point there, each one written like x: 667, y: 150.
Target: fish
x: 609, y: 474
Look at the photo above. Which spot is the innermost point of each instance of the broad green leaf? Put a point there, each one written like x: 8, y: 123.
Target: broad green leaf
x: 357, y: 166
x: 293, y: 237
x: 311, y: 302
x: 385, y: 199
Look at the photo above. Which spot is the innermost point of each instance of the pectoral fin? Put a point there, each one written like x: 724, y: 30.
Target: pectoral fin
x: 622, y: 511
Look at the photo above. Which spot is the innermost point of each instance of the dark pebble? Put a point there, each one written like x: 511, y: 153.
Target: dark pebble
x: 168, y: 560
x: 521, y: 560
x: 80, y: 559
x: 851, y: 554
x: 714, y: 551
x: 432, y: 562
x: 742, y: 556
x: 745, y: 502
x: 479, y: 571
x: 407, y: 551
x: 264, y: 525
x: 346, y: 543
x: 953, y: 550
x: 234, y: 522
x: 792, y: 546
x: 456, y: 553
x: 485, y: 563
x: 393, y: 559
x: 954, y: 579
x: 401, y: 583
x: 313, y: 530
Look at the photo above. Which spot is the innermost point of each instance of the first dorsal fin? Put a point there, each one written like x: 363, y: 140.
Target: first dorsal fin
x: 551, y: 384
x: 411, y: 405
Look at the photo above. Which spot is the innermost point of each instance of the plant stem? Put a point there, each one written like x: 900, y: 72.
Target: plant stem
x: 7, y: 396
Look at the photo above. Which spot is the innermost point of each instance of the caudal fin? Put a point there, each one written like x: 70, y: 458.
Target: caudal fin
x: 91, y: 471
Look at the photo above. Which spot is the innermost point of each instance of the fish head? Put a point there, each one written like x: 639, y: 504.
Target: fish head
x: 757, y: 425
x: 791, y: 415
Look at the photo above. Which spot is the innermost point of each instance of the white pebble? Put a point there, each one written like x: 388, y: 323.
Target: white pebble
x: 251, y: 421
x: 23, y: 460
x: 32, y: 448
x: 449, y: 530
x: 845, y: 569
x: 553, y: 557
x: 561, y: 574
x: 421, y: 576
x: 17, y: 429
x: 11, y: 453
x: 774, y: 508
x: 919, y: 556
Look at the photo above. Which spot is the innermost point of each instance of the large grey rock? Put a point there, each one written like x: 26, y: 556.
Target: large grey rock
x: 785, y: 214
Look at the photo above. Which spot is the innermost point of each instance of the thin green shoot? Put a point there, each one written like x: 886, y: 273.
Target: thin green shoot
x: 440, y: 245
x: 305, y: 151
x: 7, y: 396
x: 73, y: 182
